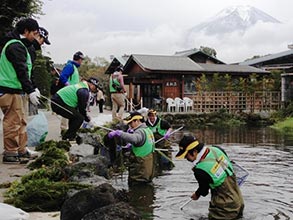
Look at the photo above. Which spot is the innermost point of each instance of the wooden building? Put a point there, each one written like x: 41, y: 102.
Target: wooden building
x: 282, y: 62
x: 154, y: 78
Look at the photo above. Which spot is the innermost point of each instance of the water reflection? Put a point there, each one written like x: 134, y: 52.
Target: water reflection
x: 142, y: 197
x: 267, y: 192
x: 244, y: 135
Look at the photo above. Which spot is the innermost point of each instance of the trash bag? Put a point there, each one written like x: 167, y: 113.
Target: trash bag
x: 37, y: 130
x: 9, y: 212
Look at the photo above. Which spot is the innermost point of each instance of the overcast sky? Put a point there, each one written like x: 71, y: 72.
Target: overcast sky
x: 100, y: 28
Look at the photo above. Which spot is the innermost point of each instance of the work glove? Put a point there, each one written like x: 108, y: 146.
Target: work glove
x: 116, y: 133
x: 91, y: 124
x: 87, y: 124
x: 167, y: 135
x: 128, y: 146
x: 34, y: 97
x: 38, y: 92
x: 130, y: 130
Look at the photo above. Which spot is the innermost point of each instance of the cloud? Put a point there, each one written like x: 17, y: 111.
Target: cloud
x: 261, y: 39
x: 99, y: 30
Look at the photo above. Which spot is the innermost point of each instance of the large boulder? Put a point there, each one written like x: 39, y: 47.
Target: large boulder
x: 86, y: 201
x: 87, y: 167
x: 118, y: 211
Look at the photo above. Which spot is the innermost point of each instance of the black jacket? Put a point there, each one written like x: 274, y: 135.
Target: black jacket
x: 16, y: 53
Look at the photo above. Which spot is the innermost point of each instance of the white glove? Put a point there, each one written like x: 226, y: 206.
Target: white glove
x: 91, y: 124
x: 87, y: 124
x: 34, y: 98
x: 38, y: 92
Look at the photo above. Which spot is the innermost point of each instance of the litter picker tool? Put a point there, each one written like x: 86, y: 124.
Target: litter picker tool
x: 56, y: 104
x: 159, y: 150
x: 56, y: 70
x: 185, y: 203
x: 165, y: 156
x: 105, y: 128
x: 162, y: 138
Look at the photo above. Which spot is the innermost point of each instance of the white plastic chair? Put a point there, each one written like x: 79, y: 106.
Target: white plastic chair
x: 170, y: 104
x: 188, y: 103
x: 179, y: 104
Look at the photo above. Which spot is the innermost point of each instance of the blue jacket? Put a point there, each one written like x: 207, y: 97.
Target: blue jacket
x: 67, y: 71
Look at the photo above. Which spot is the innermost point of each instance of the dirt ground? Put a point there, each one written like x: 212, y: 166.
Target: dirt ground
x: 9, y: 173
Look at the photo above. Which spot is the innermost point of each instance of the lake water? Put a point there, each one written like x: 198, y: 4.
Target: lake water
x: 268, y: 191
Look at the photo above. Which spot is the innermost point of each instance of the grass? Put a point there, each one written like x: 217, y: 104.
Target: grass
x: 285, y: 126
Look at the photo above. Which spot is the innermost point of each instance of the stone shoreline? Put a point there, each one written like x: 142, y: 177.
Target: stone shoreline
x: 9, y: 173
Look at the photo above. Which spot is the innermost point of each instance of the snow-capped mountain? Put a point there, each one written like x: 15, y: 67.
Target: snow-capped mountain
x: 231, y: 19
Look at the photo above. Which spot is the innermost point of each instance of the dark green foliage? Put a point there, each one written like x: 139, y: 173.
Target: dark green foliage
x: 209, y: 51
x: 284, y: 112
x: 42, y: 73
x: 40, y: 194
x: 51, y: 156
x: 51, y: 173
x: 65, y: 145
x: 220, y: 119
x: 45, y: 188
x: 288, y: 111
x: 12, y: 10
x: 220, y: 82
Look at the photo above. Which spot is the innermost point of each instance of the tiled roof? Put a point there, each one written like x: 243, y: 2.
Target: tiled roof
x: 178, y: 63
x: 267, y: 58
x: 169, y: 63
x: 230, y: 68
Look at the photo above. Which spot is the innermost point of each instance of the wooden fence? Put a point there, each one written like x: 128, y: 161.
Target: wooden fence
x: 236, y: 102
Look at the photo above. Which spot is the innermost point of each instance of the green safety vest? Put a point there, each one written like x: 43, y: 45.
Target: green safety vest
x: 113, y: 81
x: 69, y: 93
x: 74, y: 78
x: 217, y: 165
x: 147, y: 147
x: 8, y: 76
x: 157, y: 128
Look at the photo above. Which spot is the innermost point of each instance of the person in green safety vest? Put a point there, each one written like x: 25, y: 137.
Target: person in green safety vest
x: 69, y: 76
x: 71, y: 101
x: 15, y: 73
x: 39, y: 41
x: 214, y: 171
x: 141, y: 141
x: 161, y: 129
x: 117, y: 91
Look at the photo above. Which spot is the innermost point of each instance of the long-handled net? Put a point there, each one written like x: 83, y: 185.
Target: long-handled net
x: 240, y: 172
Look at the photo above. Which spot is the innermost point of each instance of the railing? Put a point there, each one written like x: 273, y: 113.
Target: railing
x: 131, y: 105
x: 236, y: 102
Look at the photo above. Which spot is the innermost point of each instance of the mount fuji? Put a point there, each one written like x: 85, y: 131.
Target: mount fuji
x: 233, y: 19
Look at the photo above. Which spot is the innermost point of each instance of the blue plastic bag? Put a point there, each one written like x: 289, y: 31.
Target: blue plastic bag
x: 37, y: 130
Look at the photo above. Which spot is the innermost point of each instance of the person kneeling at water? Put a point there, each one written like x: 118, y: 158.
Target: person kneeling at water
x: 213, y: 170
x: 141, y: 138
x: 71, y: 101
